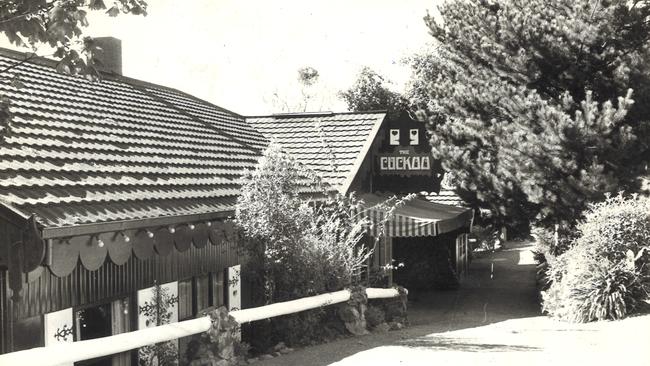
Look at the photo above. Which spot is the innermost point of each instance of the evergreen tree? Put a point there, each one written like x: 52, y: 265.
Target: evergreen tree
x: 538, y: 107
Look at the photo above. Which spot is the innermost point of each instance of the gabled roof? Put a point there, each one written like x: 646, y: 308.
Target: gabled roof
x: 334, y: 145
x: 85, y: 152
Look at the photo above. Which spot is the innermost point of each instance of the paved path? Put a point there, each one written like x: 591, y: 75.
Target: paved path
x: 493, y: 319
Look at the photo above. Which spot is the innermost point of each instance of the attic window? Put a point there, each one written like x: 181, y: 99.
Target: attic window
x: 393, y: 136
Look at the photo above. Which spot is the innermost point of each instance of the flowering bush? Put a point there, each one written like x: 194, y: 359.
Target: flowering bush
x: 606, y: 273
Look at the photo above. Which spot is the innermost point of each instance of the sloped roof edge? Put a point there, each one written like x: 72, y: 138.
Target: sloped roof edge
x: 24, y: 56
x: 362, y: 155
x: 344, y: 187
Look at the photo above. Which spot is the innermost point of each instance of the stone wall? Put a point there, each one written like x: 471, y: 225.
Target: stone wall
x: 220, y: 345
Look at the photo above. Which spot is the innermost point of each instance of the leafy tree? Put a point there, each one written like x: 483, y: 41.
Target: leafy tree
x: 536, y: 106
x: 307, y: 92
x: 369, y: 92
x: 59, y: 24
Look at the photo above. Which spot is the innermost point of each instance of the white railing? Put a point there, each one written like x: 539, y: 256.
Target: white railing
x: 67, y: 353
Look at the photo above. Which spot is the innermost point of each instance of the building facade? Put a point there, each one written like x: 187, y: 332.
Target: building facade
x: 116, y: 197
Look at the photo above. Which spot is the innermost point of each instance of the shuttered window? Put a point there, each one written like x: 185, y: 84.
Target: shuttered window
x: 202, y: 286
x: 185, y: 310
x: 218, y: 290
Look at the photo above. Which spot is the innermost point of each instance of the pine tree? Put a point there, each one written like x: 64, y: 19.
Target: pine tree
x: 538, y: 107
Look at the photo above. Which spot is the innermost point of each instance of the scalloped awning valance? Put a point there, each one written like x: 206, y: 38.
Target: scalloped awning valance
x: 92, y: 250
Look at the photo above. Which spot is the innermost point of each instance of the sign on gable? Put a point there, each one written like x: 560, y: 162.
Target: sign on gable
x: 405, y: 162
x: 402, y: 160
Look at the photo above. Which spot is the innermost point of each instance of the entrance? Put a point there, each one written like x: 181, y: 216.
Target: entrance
x: 94, y: 322
x: 101, y: 321
x: 427, y: 263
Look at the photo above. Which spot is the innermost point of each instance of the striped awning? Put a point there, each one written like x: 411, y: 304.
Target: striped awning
x: 415, y: 217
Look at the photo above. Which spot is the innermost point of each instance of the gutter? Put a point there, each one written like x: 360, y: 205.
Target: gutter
x: 94, y: 228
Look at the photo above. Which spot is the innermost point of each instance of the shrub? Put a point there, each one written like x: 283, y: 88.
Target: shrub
x: 545, y: 243
x: 606, y: 273
x: 296, y: 247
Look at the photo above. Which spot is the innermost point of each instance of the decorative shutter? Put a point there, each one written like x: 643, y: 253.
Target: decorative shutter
x: 234, y: 291
x: 234, y: 288
x: 146, y: 307
x: 58, y: 328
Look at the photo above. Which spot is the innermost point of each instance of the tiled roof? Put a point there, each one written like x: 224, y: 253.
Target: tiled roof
x: 84, y: 152
x: 331, y: 144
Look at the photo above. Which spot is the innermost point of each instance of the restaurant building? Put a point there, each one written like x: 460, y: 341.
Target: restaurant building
x: 114, y: 196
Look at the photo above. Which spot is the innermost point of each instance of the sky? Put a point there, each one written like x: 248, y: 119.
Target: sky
x: 238, y: 53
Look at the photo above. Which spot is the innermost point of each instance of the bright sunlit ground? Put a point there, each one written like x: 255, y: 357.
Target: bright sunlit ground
x: 526, y: 341
x: 493, y: 319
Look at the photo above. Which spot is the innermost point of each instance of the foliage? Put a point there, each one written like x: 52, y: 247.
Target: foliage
x: 307, y: 92
x: 546, y: 243
x: 530, y: 102
x: 297, y: 247
x: 300, y: 329
x: 59, y: 24
x: 302, y: 248
x: 369, y: 92
x: 308, y: 75
x: 606, y: 273
x: 487, y: 236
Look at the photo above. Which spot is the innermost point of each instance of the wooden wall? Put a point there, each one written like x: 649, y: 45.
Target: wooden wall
x: 4, y: 313
x: 9, y: 234
x: 48, y: 293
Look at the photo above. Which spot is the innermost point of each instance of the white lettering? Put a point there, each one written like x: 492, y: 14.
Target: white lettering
x: 399, y: 163
x: 416, y: 163
x: 406, y: 163
x: 426, y: 164
x: 383, y: 163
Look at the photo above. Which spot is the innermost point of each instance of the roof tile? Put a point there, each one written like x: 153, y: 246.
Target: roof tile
x: 120, y: 149
x: 330, y: 144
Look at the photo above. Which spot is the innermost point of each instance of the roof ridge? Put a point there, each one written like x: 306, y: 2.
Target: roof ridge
x: 194, y: 118
x: 316, y: 114
x: 31, y: 57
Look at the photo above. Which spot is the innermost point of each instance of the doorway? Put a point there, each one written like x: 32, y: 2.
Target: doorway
x: 94, y: 322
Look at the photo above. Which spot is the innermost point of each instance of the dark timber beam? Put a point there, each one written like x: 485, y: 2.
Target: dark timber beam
x: 103, y: 227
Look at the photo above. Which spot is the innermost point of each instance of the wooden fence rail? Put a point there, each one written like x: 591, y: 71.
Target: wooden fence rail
x: 67, y: 353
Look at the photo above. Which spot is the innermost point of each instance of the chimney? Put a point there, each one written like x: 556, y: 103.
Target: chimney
x: 110, y: 54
